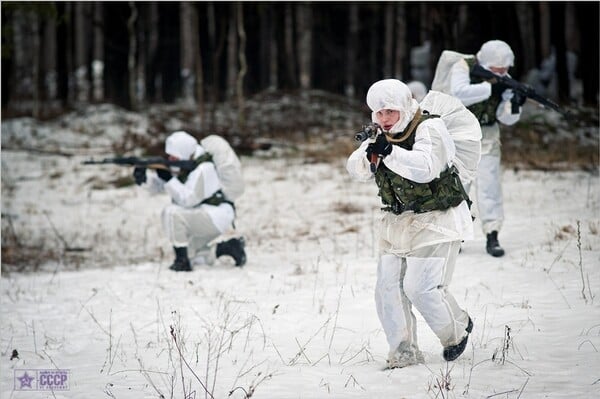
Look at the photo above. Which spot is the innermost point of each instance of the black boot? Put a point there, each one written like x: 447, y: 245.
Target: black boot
x: 182, y: 263
x: 454, y: 351
x: 234, y: 248
x: 493, y: 246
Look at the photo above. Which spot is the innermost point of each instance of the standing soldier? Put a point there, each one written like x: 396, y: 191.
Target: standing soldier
x: 424, y: 220
x: 492, y: 103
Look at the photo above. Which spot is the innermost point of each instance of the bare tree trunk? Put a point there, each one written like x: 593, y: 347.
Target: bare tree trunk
x: 424, y: 22
x: 98, y: 60
x: 212, y: 38
x: 388, y: 40
x: 35, y: 49
x: 525, y: 16
x: 400, y: 53
x: 243, y: 67
x: 557, y: 14
x: 82, y: 83
x: 587, y: 21
x: 49, y: 61
x: 71, y: 95
x: 350, y: 89
x: 187, y: 52
x: 274, y: 54
x: 198, y: 70
x: 153, y: 82
x: 140, y: 69
x: 289, y: 45
x: 26, y: 68
x: 263, y: 55
x: 231, y: 55
x: 545, y: 41
x: 304, y: 23
x: 131, y: 68
x: 21, y: 72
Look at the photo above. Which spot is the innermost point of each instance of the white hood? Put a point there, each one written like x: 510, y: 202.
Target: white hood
x: 495, y: 53
x: 181, y: 145
x: 395, y: 95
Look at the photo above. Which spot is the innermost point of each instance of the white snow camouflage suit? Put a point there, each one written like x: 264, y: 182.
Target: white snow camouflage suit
x: 417, y: 251
x: 185, y: 222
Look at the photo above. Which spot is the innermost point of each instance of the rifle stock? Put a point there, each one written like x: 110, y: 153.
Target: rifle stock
x: 524, y: 90
x: 150, y: 163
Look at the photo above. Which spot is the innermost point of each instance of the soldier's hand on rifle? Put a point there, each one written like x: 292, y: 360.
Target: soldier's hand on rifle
x: 498, y: 88
x: 164, y: 174
x: 518, y: 98
x: 380, y: 147
x: 139, y: 175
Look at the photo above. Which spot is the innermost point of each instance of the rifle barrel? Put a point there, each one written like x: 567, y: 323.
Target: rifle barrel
x: 151, y: 163
x: 525, y: 90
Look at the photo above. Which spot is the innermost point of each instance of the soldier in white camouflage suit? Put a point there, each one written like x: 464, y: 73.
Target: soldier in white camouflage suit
x: 199, y: 211
x: 425, y: 218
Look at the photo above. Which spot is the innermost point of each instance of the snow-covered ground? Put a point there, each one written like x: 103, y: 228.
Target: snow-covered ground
x: 298, y: 321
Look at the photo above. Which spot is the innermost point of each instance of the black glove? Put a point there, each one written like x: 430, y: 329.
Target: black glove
x: 139, y: 175
x: 380, y: 147
x: 164, y: 174
x: 498, y: 89
x: 518, y: 98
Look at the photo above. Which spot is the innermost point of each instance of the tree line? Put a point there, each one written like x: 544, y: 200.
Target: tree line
x: 56, y: 55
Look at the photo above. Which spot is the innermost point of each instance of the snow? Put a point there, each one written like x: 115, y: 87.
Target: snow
x: 298, y: 321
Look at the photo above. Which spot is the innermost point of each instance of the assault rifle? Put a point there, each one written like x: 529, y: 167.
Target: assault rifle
x: 150, y: 163
x: 520, y: 88
x: 368, y: 132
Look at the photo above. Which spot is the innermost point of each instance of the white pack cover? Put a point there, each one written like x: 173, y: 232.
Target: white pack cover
x: 441, y: 78
x: 463, y: 127
x: 228, y: 165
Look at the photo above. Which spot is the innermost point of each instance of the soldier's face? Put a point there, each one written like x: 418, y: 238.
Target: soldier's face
x: 499, y: 70
x: 387, y: 118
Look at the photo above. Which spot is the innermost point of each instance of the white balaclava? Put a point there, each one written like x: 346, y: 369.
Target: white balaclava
x: 495, y: 53
x: 395, y: 95
x: 181, y: 145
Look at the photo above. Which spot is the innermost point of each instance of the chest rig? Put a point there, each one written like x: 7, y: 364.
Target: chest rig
x: 400, y: 194
x: 218, y: 197
x: 485, y: 111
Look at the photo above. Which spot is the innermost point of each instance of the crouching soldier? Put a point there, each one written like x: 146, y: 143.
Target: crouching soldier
x: 199, y: 211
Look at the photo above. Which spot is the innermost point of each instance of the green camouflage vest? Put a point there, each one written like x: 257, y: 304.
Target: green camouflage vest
x: 485, y: 111
x: 218, y: 197
x: 400, y: 194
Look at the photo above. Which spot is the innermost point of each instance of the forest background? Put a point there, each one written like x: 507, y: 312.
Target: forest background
x: 60, y: 55
x: 285, y: 82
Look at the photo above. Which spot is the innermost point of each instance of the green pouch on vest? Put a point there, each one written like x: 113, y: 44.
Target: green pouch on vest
x: 400, y: 194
